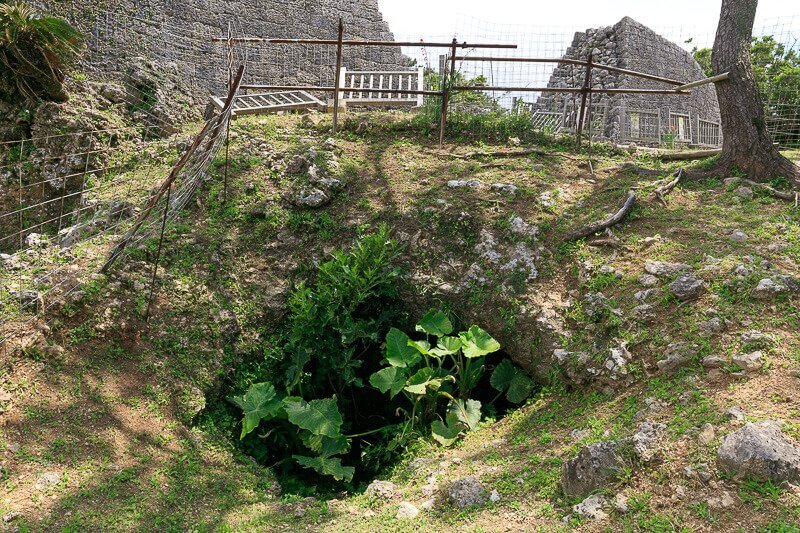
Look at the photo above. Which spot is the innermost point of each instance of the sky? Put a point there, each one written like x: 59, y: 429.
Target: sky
x: 431, y: 17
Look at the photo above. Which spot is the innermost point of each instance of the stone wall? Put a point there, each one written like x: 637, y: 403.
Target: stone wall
x: 633, y: 46
x: 177, y: 35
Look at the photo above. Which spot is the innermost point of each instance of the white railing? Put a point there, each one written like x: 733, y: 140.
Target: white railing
x: 368, y: 87
x: 709, y: 133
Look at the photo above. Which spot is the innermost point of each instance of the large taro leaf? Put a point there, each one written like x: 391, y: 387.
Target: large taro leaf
x: 325, y: 446
x: 422, y: 347
x: 468, y: 413
x: 327, y: 466
x: 320, y: 417
x: 391, y: 379
x: 398, y: 351
x: 260, y: 402
x: 476, y: 342
x: 513, y: 381
x: 435, y: 323
x: 446, y: 433
x: 427, y: 379
x: 446, y: 346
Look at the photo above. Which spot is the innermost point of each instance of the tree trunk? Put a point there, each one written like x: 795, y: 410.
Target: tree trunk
x: 746, y: 143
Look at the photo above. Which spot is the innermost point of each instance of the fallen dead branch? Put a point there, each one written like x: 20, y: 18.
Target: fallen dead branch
x: 665, y: 189
x: 600, y: 225
x: 790, y: 196
x: 687, y: 156
x: 502, y: 153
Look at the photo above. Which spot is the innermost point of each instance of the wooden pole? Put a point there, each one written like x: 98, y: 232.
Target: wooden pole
x: 446, y: 84
x: 158, y: 254
x: 337, y: 76
x: 587, y: 84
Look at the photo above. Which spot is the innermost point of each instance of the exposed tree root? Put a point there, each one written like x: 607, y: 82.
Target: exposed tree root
x: 791, y: 196
x: 600, y: 225
x: 665, y: 189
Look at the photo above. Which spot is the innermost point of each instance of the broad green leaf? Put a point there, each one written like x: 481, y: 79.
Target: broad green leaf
x: 447, y: 346
x: 391, y: 379
x: 476, y: 342
x: 435, y: 323
x: 325, y: 446
x: 398, y: 351
x: 446, y: 433
x: 260, y: 402
x: 468, y: 413
x: 327, y: 466
x: 512, y: 380
x: 423, y: 381
x: 422, y: 347
x: 502, y: 375
x: 520, y: 388
x: 320, y: 417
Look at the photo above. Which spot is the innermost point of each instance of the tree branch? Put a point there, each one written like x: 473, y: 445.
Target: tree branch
x: 600, y: 225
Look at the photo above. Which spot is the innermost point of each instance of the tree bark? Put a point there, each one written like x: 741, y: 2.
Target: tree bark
x: 746, y: 143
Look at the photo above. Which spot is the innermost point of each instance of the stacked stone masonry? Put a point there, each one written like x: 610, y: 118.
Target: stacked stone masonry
x: 640, y: 118
x: 177, y: 36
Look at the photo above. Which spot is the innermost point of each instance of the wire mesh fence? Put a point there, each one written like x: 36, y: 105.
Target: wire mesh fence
x: 67, y: 199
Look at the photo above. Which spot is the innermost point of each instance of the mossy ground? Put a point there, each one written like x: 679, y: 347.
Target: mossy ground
x: 109, y: 413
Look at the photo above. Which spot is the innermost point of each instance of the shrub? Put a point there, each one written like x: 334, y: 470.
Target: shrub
x: 34, y: 51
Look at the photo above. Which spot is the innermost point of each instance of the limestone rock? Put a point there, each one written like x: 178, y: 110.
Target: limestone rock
x: 760, y: 451
x: 687, y: 287
x: 756, y: 340
x: 380, y: 489
x: 749, y: 361
x: 678, y: 355
x: 406, y: 511
x: 461, y: 184
x: 467, y: 491
x: 663, y: 268
x: 592, y: 508
x: 47, y: 481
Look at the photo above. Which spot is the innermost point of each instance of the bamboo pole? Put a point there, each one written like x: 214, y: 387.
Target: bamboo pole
x: 699, y: 83
x: 335, y: 42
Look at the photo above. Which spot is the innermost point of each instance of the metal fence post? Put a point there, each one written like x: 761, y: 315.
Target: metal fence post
x: 337, y: 75
x: 446, y: 90
x: 587, y: 84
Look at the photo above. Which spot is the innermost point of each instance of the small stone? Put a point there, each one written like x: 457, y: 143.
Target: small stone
x: 406, y: 511
x: 687, y: 287
x: 466, y: 491
x: 749, y: 361
x: 494, y: 496
x: 47, y: 481
x: 592, y: 507
x: 427, y: 505
x: 580, y: 434
x: 380, y: 489
x: 621, y: 503
x: 706, y: 435
x: 678, y: 355
x: 744, y: 192
x: 648, y: 280
x: 663, y: 268
x: 735, y: 414
x: 768, y: 289
x: 10, y: 517
x: 504, y: 188
x: 713, y: 361
x: 643, y: 313
x: 709, y: 327
x: 646, y: 294
x: 722, y: 501
x: 738, y: 236
x: 680, y: 492
x: 756, y: 340
x: 458, y: 184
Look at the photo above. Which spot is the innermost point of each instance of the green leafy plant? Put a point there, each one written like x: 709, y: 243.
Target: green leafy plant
x: 437, y: 374
x: 34, y: 51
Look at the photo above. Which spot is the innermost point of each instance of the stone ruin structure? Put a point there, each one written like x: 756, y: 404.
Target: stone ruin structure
x: 177, y: 36
x: 634, y: 118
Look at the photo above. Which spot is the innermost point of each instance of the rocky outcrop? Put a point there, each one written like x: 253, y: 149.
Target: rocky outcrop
x: 760, y: 451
